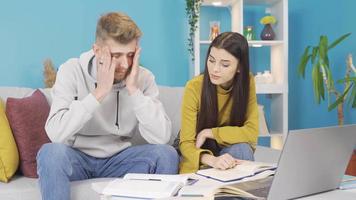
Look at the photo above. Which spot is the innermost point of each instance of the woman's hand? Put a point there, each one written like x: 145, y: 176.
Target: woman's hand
x: 223, y: 162
x: 202, y: 136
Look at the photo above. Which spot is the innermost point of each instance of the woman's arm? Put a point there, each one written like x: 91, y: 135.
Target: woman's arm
x: 190, y: 107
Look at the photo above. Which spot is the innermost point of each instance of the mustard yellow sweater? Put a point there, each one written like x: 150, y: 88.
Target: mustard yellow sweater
x: 224, y: 135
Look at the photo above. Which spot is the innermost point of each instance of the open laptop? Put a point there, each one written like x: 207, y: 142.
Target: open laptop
x: 312, y: 161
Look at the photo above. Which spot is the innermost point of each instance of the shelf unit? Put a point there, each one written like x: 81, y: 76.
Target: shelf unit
x: 278, y: 90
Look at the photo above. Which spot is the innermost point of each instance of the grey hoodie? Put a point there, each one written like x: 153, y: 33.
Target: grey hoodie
x: 104, y: 129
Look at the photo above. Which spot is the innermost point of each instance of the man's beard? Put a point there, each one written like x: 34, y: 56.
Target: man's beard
x: 125, y: 76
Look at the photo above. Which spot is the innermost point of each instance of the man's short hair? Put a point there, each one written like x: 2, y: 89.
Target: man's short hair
x: 117, y: 26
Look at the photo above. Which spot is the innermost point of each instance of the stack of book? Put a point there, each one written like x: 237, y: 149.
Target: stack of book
x: 232, y: 182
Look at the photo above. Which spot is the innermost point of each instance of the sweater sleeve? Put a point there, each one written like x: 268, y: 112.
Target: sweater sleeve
x: 247, y: 133
x: 153, y: 122
x: 67, y: 115
x: 191, y: 154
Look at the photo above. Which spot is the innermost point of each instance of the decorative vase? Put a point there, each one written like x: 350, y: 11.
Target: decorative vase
x: 267, y: 33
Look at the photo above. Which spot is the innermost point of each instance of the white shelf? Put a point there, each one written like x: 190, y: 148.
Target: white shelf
x: 269, y: 88
x: 205, y: 42
x: 254, y: 43
x: 226, y: 3
x: 260, y: 2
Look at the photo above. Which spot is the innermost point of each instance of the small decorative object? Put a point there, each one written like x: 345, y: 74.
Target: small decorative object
x: 266, y: 77
x: 214, y: 30
x: 249, y: 33
x: 267, y: 32
x: 49, y: 73
x: 259, y: 78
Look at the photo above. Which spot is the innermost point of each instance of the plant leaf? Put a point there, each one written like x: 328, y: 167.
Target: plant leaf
x: 321, y: 86
x: 326, y: 61
x: 339, y: 100
x: 337, y: 41
x: 322, y: 70
x: 329, y: 77
x: 314, y: 54
x: 353, y: 79
x: 323, y: 48
x: 352, y: 97
x: 316, y: 82
x: 303, y: 63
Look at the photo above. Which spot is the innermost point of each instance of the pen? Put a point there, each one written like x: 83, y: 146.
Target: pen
x: 149, y: 179
x: 192, y: 195
x: 154, y: 179
x: 192, y: 181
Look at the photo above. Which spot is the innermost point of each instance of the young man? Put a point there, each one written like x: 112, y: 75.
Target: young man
x: 102, y: 102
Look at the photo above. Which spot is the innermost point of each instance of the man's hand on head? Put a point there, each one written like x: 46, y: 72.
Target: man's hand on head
x: 105, y: 73
x: 132, y: 78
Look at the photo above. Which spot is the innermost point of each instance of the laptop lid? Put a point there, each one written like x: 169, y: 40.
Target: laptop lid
x: 312, y: 161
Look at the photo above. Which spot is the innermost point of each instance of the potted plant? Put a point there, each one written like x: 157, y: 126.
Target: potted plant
x: 49, y: 73
x: 322, y: 77
x: 267, y: 32
x: 192, y: 10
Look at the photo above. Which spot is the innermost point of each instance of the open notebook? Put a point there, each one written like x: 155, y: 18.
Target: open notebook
x: 241, y: 171
x: 147, y: 185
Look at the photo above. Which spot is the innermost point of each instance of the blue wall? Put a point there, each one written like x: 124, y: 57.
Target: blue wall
x: 32, y: 31
x: 308, y: 19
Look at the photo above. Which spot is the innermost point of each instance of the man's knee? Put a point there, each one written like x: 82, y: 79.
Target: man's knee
x: 167, y: 159
x: 166, y: 155
x: 51, y: 155
x: 166, y: 152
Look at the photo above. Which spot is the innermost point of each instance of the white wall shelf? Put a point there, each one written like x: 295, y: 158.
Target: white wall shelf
x: 222, y: 3
x: 227, y: 3
x: 278, y: 91
x: 254, y: 43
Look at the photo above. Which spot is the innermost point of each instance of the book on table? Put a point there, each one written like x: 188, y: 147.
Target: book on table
x: 253, y: 189
x: 240, y: 171
x: 348, y: 182
x: 134, y: 185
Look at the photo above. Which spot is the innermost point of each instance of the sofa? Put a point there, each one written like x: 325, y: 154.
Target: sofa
x: 24, y: 188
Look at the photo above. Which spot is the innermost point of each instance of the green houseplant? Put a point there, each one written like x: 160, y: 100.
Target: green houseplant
x: 322, y: 77
x: 192, y: 10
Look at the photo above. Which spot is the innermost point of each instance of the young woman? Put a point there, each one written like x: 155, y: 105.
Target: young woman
x: 219, y: 109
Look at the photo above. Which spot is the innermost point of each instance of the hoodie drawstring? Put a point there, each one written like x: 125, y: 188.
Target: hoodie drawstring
x: 117, y: 109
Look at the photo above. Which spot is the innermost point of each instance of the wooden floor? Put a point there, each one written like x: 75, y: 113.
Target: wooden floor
x: 351, y: 168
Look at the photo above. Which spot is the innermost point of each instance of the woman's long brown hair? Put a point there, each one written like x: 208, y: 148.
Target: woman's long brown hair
x: 236, y: 45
